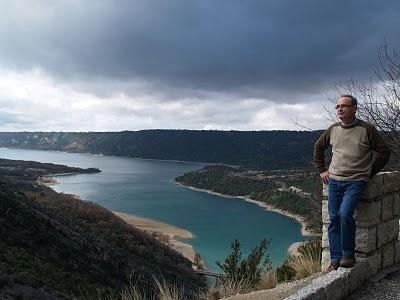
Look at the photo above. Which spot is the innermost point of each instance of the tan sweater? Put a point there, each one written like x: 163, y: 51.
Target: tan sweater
x: 353, y: 150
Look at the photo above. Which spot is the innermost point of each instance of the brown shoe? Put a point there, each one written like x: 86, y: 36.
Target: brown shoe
x: 347, y: 261
x: 332, y: 267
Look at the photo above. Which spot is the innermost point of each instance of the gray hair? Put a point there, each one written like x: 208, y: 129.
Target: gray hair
x: 351, y: 97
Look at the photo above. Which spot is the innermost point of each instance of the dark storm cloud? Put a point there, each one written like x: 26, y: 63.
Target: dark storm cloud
x: 254, y: 48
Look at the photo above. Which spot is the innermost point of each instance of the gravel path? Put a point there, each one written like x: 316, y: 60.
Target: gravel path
x: 387, y: 288
x: 281, y: 291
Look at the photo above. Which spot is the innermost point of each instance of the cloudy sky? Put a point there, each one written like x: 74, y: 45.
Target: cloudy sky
x: 201, y: 64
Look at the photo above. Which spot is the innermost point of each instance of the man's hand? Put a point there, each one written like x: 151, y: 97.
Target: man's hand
x: 325, y: 176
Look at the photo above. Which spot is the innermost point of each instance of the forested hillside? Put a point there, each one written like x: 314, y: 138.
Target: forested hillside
x: 258, y: 149
x: 54, y: 246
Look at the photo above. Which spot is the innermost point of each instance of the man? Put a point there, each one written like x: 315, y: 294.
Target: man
x: 358, y: 153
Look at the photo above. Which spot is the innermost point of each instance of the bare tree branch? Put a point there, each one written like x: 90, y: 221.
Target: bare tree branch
x: 379, y: 99
x: 300, y: 125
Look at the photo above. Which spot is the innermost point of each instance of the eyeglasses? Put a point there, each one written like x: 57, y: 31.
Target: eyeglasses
x: 343, y: 106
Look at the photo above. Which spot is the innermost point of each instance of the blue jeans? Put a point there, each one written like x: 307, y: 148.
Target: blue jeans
x: 342, y: 200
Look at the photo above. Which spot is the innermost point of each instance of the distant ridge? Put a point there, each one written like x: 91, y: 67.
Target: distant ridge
x: 266, y: 149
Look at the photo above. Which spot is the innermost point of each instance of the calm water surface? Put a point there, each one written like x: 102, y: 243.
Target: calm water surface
x: 146, y: 188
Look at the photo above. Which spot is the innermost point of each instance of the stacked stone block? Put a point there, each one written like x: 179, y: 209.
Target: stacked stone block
x: 377, y: 221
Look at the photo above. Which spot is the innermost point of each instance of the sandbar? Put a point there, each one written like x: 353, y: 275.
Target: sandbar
x: 293, y: 249
x: 47, y: 180
x: 174, y: 233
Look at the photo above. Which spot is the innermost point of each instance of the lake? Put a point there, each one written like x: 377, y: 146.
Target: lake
x: 146, y: 188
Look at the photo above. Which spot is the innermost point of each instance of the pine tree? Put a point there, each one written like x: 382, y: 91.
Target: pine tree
x: 249, y: 269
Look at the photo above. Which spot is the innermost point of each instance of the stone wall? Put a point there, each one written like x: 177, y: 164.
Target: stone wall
x: 377, y: 241
x: 377, y: 221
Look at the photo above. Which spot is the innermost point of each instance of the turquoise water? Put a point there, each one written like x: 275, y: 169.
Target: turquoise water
x: 146, y: 188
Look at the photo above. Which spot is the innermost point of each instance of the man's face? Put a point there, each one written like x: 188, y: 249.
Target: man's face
x: 345, y: 110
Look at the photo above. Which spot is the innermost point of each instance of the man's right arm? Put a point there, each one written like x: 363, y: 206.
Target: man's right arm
x: 319, y: 154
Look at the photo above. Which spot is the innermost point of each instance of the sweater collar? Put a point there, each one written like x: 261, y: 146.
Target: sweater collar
x: 352, y: 124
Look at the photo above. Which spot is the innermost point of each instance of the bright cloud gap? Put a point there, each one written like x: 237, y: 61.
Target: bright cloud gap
x: 32, y: 101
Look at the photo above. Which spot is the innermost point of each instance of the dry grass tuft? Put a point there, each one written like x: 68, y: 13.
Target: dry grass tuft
x: 228, y: 288
x: 169, y: 291
x: 133, y: 293
x: 166, y: 291
x: 308, y: 261
x: 268, y: 281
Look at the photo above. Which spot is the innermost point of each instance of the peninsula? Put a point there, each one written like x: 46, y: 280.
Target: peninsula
x: 294, y: 193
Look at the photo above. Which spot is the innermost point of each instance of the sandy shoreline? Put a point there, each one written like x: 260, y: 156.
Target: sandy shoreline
x: 298, y: 218
x: 50, y: 179
x: 174, y: 233
x: 47, y: 180
x: 293, y: 248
